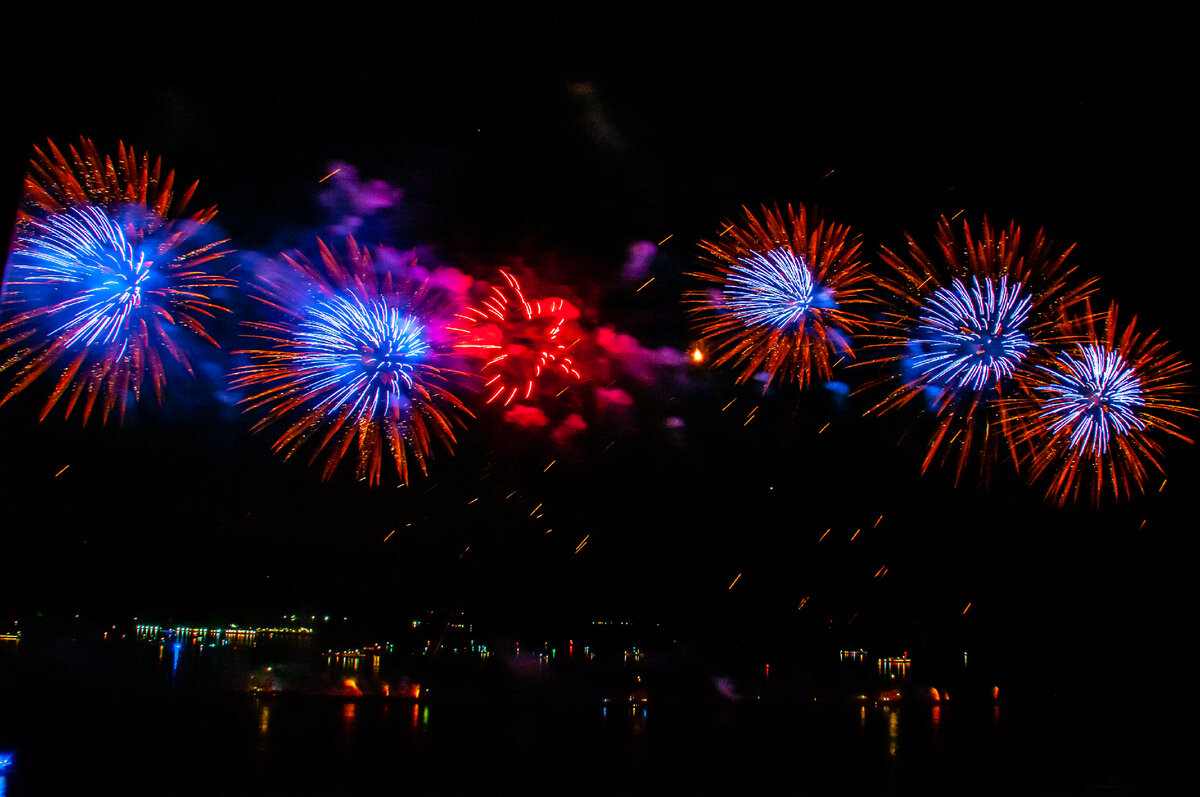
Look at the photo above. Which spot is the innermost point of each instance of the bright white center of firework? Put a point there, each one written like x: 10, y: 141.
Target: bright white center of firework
x: 359, y: 354
x: 973, y: 336
x: 84, y: 254
x: 773, y: 288
x: 1095, y: 395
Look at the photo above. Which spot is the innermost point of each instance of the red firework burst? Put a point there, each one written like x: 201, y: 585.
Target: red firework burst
x: 962, y: 324
x: 521, y: 342
x: 1092, y: 411
x: 107, y: 278
x: 778, y: 296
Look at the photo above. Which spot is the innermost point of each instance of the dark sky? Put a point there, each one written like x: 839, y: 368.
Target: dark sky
x: 566, y: 139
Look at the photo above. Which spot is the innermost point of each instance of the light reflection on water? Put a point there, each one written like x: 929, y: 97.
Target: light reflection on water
x: 264, y: 727
x: 893, y: 728
x: 638, y: 725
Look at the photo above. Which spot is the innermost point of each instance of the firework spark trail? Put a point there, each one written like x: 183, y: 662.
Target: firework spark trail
x: 1091, y: 414
x: 961, y: 330
x: 779, y: 289
x: 106, y: 276
x: 354, y: 366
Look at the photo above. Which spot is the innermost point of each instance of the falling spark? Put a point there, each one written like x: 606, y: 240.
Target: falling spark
x: 823, y: 428
x: 968, y: 607
x: 389, y: 536
x: 735, y: 580
x: 727, y: 406
x: 551, y: 465
x: 802, y: 602
x: 644, y: 284
x: 856, y: 531
x: 331, y: 174
x: 823, y: 536
x: 473, y: 500
x: 535, y: 509
x: 877, y: 522
x: 664, y: 240
x: 64, y: 467
x: 582, y: 543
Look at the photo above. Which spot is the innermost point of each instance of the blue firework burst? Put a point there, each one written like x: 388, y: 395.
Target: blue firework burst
x: 98, y: 298
x: 1094, y: 396
x: 357, y: 361
x: 973, y: 336
x: 92, y: 276
x: 773, y: 288
x: 357, y: 358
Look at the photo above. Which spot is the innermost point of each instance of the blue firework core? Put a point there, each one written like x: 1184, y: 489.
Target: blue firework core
x: 94, y: 277
x: 361, y: 355
x: 973, y: 336
x: 1095, y: 396
x: 773, y: 288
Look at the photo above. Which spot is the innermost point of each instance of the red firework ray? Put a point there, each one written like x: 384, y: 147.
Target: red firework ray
x: 520, y: 341
x: 55, y: 183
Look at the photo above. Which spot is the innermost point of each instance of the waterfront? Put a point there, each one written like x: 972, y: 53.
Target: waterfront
x: 84, y: 721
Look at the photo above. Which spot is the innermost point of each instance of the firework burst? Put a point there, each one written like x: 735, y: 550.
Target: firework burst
x: 353, y: 363
x: 777, y: 294
x: 961, y: 328
x: 521, y: 342
x: 106, y: 280
x: 1091, y: 412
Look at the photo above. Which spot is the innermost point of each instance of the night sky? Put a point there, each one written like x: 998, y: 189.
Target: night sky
x: 560, y: 142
